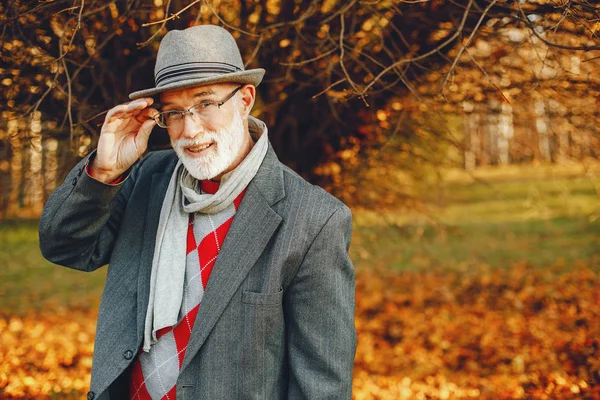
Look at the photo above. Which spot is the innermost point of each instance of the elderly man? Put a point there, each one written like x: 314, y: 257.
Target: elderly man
x: 229, y: 275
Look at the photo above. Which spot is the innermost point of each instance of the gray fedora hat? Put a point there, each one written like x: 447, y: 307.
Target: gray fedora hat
x: 195, y: 56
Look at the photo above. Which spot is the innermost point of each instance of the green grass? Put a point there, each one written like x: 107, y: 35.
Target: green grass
x: 547, y: 217
x: 28, y: 281
x: 543, y: 243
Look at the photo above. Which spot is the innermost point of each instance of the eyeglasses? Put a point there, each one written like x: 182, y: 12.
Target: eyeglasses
x: 203, y: 110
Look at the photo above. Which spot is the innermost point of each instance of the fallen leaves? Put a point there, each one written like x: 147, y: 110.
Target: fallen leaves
x: 46, y: 354
x: 519, y: 332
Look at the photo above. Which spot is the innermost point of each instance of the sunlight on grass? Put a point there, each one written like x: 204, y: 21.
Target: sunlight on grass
x: 540, y: 215
x: 31, y: 282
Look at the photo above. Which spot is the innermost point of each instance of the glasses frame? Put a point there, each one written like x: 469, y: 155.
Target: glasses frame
x: 156, y: 117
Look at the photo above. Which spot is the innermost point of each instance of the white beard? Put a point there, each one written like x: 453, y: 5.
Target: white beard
x: 227, y: 144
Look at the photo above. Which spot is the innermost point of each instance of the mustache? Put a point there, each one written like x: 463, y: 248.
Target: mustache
x: 207, y: 138
x: 210, y: 136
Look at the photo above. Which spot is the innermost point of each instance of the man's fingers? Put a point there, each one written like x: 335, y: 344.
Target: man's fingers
x: 127, y: 110
x: 139, y: 104
x: 115, y: 112
x: 146, y: 114
x: 144, y: 134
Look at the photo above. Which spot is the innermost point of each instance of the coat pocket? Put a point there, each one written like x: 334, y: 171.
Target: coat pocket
x: 265, y: 299
x: 263, y: 351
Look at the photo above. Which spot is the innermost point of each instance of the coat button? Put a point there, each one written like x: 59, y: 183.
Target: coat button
x: 74, y: 183
x: 128, y: 355
x: 91, y: 395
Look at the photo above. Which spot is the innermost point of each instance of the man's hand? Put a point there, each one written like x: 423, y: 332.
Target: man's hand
x: 123, y: 139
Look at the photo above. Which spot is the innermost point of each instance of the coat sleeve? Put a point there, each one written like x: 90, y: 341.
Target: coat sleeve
x: 81, y: 218
x: 319, y: 312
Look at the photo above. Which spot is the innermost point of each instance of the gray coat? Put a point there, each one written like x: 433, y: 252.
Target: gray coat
x: 277, y: 317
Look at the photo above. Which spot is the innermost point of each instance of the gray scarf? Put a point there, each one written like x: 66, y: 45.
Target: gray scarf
x: 182, y: 198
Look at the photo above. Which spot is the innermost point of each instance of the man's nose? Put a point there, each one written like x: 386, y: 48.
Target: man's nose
x: 192, y: 126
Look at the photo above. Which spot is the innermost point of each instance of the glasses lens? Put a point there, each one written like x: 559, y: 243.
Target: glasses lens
x: 203, y: 109
x: 170, y: 119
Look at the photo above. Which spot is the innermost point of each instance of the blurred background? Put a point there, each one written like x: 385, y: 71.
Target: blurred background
x: 463, y: 134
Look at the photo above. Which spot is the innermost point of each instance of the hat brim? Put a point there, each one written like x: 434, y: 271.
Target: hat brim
x: 251, y: 76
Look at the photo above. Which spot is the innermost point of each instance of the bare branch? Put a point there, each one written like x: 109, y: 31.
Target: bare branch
x: 147, y: 42
x: 348, y: 78
x: 69, y: 113
x: 339, y: 12
x: 425, y: 55
x: 526, y: 21
x: 75, y: 29
x: 312, y: 8
x: 310, y: 60
x: 329, y: 87
x: 173, y: 16
x: 226, y: 24
x: 468, y: 42
x: 489, y: 78
x: 255, y: 52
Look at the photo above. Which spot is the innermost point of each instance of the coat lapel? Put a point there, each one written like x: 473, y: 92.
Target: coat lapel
x: 156, y: 195
x: 254, y: 224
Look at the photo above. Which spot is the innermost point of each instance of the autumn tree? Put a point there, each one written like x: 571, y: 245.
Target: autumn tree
x: 344, y: 78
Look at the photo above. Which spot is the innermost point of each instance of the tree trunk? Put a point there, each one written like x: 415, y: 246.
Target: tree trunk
x: 16, y: 167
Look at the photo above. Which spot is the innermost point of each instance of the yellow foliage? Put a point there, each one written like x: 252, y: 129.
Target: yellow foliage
x: 519, y: 332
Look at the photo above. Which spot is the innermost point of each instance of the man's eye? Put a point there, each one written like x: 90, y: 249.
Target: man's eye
x: 205, y: 104
x: 172, y: 115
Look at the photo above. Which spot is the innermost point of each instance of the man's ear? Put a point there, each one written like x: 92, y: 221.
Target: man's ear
x: 248, y: 95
